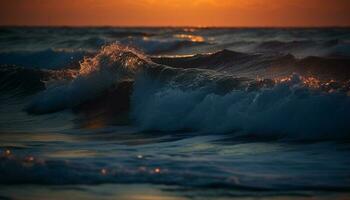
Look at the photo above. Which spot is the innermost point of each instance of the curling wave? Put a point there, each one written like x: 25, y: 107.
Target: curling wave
x: 170, y: 99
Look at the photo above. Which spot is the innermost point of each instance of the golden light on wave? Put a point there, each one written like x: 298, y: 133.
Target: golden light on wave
x: 309, y: 81
x: 104, y: 171
x: 94, y: 123
x: 189, y: 30
x: 29, y: 159
x: 329, y: 86
x: 193, y: 38
x: 79, y: 153
x: 7, y: 152
x: 157, y: 170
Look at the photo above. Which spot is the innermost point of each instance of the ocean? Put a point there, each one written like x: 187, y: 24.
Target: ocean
x: 174, y: 113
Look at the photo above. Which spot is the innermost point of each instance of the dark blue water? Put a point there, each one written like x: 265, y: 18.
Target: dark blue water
x: 174, y: 113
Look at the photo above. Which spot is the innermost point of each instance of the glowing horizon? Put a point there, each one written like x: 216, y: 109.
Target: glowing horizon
x: 197, y: 13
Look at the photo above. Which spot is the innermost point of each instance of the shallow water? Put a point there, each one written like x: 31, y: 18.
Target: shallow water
x: 268, y: 118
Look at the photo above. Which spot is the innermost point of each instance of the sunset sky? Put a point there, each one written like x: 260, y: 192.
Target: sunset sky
x: 176, y: 12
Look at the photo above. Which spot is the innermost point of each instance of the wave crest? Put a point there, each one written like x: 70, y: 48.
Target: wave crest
x: 97, y: 74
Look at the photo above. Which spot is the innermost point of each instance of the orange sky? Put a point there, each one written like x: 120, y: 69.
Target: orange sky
x: 176, y: 12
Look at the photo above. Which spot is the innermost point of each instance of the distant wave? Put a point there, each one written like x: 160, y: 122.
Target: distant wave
x: 298, y: 42
x: 205, y: 61
x: 90, y: 43
x: 261, y: 65
x: 123, y: 34
x: 279, y: 45
x: 46, y: 59
x: 306, y: 48
x: 159, y: 46
x: 169, y: 99
x: 297, y: 48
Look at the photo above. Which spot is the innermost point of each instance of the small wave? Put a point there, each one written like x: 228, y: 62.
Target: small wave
x: 32, y: 170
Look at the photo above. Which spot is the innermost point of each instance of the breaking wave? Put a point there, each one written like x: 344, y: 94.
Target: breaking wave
x: 170, y: 99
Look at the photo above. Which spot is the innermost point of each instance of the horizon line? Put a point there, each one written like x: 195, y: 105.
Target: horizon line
x: 167, y: 26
